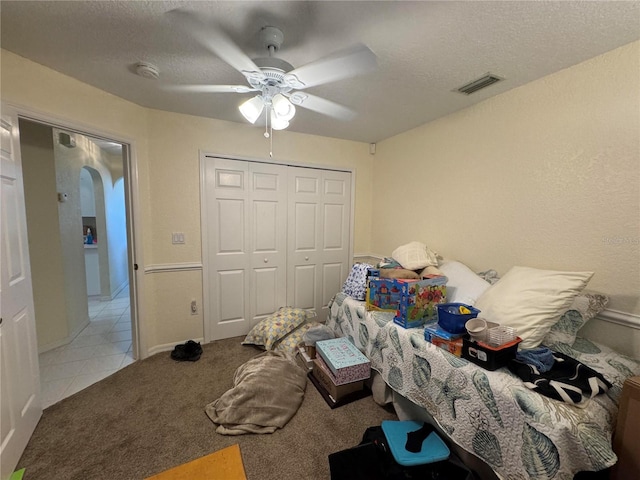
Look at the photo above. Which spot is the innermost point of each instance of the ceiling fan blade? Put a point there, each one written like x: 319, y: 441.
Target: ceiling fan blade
x: 216, y: 41
x: 321, y: 105
x: 209, y: 88
x: 337, y: 66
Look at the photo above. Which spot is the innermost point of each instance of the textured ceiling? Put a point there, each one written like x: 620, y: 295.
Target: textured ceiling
x: 425, y: 50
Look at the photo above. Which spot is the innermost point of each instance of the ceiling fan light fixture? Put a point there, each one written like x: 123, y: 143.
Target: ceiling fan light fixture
x: 282, y: 107
x: 277, y: 122
x: 252, y: 108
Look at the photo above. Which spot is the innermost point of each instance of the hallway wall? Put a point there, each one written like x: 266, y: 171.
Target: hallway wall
x: 45, y: 249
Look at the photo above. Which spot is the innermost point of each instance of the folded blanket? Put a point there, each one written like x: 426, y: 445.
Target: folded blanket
x: 267, y: 392
x: 568, y: 380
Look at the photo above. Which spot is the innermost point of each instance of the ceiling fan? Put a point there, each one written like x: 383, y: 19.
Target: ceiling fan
x: 278, y: 85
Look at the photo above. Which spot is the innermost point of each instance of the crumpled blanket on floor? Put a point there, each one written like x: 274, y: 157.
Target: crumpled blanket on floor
x: 267, y: 392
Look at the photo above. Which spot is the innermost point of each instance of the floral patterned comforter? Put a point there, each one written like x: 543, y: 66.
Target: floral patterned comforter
x: 519, y: 433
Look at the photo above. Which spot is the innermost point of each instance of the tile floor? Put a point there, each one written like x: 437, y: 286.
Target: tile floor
x: 102, y: 348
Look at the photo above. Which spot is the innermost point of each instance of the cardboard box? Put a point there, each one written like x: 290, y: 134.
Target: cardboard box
x: 413, y: 301
x: 433, y: 329
x: 337, y: 392
x: 454, y: 347
x: 304, y: 359
x: 334, y: 379
x: 345, y: 361
x: 383, y: 294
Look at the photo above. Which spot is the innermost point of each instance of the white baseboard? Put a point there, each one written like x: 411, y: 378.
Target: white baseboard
x: 625, y: 319
x: 167, y: 347
x: 119, y: 289
x: 64, y: 341
x: 173, y: 267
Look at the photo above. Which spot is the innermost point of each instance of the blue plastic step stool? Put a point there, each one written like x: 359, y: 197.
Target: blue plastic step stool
x: 433, y: 448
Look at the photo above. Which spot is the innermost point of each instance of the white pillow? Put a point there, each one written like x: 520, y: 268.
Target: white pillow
x: 414, y: 256
x: 531, y: 300
x: 463, y: 285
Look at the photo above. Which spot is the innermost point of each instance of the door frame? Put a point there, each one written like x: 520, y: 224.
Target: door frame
x: 139, y: 329
x: 206, y: 306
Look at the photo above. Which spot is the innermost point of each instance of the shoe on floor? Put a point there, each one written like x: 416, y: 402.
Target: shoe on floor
x: 187, y: 352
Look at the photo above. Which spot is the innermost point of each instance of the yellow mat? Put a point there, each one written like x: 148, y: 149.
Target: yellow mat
x: 225, y: 464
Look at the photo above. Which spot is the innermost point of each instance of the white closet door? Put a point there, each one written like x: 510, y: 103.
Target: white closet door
x: 319, y: 219
x: 245, y: 218
x: 336, y: 223
x: 268, y: 199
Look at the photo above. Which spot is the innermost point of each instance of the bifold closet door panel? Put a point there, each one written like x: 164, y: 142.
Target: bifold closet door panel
x: 246, y: 243
x: 336, y: 222
x: 226, y: 222
x: 268, y: 238
x: 319, y: 216
x: 304, y: 237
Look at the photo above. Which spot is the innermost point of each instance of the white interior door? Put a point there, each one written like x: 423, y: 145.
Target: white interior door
x: 245, y: 217
x: 319, y: 221
x: 20, y: 401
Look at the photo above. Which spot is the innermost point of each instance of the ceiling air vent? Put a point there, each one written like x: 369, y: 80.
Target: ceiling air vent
x: 479, y: 84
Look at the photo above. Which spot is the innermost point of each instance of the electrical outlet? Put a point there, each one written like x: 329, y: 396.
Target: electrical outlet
x: 194, y: 307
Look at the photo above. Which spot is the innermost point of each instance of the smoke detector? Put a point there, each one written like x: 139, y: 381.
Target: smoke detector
x: 147, y: 70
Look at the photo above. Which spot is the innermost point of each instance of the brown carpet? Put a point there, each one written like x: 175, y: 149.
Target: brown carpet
x: 149, y: 417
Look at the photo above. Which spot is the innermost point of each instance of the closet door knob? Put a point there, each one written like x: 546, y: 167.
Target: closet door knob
x: 306, y: 258
x: 266, y: 260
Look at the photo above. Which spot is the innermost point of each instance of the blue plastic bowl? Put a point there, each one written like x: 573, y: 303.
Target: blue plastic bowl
x: 450, y: 318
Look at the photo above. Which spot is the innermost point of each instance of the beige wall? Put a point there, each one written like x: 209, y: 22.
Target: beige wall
x: 546, y: 175
x: 45, y: 248
x: 166, y: 152
x: 68, y: 163
x: 174, y: 144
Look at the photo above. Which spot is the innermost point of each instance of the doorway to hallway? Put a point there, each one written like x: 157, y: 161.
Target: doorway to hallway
x: 82, y: 336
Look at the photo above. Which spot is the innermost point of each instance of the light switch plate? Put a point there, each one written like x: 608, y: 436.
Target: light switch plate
x: 177, y: 238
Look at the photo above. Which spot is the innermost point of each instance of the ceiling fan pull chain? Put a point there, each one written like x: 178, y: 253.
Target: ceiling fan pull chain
x: 271, y: 142
x: 268, y: 132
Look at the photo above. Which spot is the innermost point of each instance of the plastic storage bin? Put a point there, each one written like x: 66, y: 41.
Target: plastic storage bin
x: 489, y: 358
x: 433, y: 448
x: 373, y: 460
x: 500, y: 335
x: 450, y: 318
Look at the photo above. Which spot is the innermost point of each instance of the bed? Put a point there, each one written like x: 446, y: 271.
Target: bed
x: 518, y: 433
